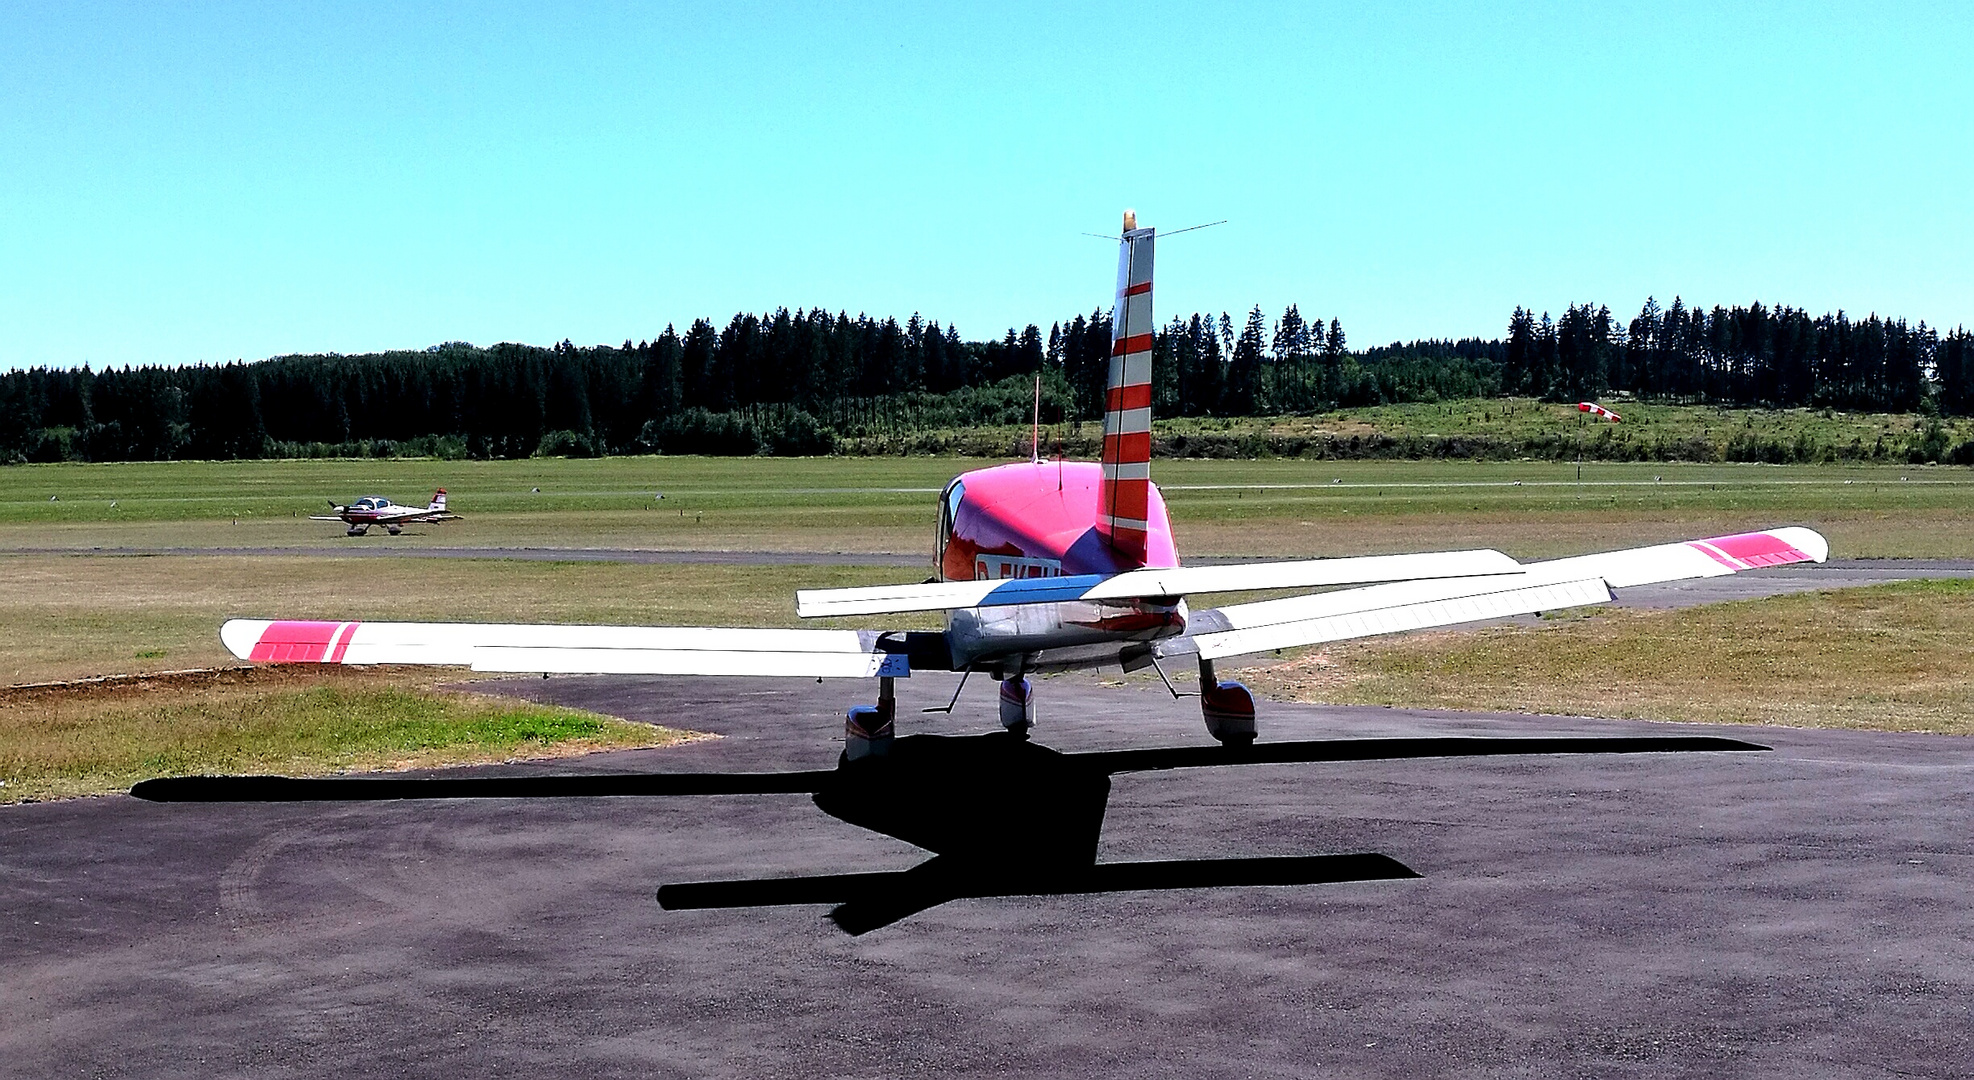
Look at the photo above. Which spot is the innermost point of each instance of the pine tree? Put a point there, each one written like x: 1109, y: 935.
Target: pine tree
x: 1243, y: 395
x: 1518, y: 369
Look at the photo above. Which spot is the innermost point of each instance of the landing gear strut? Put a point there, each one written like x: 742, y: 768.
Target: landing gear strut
x: 1227, y: 707
x: 868, y: 730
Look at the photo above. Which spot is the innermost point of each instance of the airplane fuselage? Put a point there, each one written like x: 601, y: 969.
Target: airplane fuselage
x: 1039, y: 520
x: 392, y: 515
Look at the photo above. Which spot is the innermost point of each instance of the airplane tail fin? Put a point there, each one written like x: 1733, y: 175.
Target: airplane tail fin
x: 1126, y: 497
x: 438, y: 500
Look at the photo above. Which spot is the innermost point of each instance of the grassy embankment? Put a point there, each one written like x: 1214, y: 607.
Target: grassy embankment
x: 1502, y: 429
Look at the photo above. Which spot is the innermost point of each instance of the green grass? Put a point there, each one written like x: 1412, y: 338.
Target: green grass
x: 67, y: 617
x: 284, y: 490
x: 68, y: 741
x: 1896, y: 657
x: 1220, y: 508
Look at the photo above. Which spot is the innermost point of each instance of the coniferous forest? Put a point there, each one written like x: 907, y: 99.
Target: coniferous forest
x: 795, y: 382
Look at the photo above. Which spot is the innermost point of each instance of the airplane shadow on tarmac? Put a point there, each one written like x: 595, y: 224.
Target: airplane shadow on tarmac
x: 866, y: 902
x: 1003, y: 816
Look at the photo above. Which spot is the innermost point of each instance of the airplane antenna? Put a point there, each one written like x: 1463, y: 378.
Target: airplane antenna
x: 1175, y: 232
x: 1035, y: 446
x: 1191, y: 228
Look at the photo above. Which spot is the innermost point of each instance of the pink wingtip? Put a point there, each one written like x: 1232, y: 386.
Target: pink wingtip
x: 302, y: 642
x: 1748, y: 551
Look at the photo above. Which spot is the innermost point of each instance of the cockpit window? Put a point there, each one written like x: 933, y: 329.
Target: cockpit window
x: 949, y: 508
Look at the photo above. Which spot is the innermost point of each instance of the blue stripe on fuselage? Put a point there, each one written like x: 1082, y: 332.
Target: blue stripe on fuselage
x: 1043, y: 590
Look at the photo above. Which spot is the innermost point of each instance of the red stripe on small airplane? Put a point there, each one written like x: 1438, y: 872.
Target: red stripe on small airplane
x: 1130, y: 446
x: 1130, y: 499
x: 1129, y: 542
x: 1715, y: 554
x: 1136, y: 343
x: 295, y: 642
x: 1135, y: 396
x: 343, y: 639
x: 1139, y: 289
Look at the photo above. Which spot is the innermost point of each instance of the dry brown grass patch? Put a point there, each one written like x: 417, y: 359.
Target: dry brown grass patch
x: 1896, y: 657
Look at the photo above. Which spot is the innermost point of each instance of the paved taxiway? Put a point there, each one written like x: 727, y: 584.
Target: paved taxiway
x: 1804, y: 912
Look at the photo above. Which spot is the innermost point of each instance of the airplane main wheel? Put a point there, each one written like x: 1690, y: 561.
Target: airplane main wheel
x: 1229, y: 711
x: 868, y: 730
x: 392, y: 529
x: 1017, y: 706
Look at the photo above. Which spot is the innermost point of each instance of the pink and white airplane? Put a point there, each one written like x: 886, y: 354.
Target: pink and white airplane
x: 377, y: 510
x: 1053, y: 566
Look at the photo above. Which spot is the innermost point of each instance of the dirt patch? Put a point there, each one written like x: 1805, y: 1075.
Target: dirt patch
x: 105, y: 688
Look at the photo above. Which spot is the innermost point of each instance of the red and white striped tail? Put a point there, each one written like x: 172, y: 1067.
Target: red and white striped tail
x: 1127, y: 405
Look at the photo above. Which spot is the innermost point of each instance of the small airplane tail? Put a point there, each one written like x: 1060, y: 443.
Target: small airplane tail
x: 1126, y: 493
x: 438, y: 500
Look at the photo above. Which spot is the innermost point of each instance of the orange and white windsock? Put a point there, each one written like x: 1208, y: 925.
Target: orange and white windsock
x: 1597, y: 410
x: 1126, y: 495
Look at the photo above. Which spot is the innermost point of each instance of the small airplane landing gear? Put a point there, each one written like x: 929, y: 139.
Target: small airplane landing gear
x: 393, y: 529
x: 359, y: 530
x: 1227, y: 706
x: 868, y: 730
x: 1017, y: 706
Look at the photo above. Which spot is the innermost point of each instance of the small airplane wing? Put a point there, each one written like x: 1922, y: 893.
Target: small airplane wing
x: 571, y: 650
x: 1544, y: 586
x: 325, y: 517
x: 1133, y: 584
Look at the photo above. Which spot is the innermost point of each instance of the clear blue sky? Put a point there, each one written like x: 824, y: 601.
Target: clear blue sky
x: 188, y: 182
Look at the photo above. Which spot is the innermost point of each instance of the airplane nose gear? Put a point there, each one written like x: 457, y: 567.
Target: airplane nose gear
x: 1017, y: 706
x: 868, y: 730
x: 1227, y: 706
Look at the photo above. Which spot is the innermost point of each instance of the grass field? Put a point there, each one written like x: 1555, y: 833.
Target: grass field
x: 68, y: 616
x: 66, y: 741
x: 1220, y: 508
x: 1897, y: 657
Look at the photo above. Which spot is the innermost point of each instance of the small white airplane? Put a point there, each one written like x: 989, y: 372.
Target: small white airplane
x: 377, y: 510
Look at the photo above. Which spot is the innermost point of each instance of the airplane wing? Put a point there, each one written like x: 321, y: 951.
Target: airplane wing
x: 1174, y: 581
x: 1544, y: 586
x: 325, y: 517
x: 572, y: 650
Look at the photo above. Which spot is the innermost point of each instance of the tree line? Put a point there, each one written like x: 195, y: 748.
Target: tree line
x: 1779, y: 357
x: 795, y: 381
